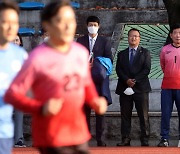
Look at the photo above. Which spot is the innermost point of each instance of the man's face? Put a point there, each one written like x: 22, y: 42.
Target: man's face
x: 134, y: 38
x: 175, y: 35
x: 95, y: 24
x: 9, y: 25
x: 62, y: 27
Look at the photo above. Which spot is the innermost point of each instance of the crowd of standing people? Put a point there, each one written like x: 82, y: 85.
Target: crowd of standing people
x: 69, y: 78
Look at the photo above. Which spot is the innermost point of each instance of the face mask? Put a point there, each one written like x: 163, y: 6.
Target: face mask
x: 93, y: 30
x: 129, y: 91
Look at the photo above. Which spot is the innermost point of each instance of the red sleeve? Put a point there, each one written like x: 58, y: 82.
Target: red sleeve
x: 22, y: 102
x: 90, y: 89
x: 16, y: 94
x: 91, y: 93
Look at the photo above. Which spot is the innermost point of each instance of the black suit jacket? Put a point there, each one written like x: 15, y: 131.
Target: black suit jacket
x: 102, y: 48
x: 139, y: 70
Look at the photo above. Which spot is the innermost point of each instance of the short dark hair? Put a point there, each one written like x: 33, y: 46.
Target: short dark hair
x: 7, y: 4
x: 52, y: 8
x: 133, y: 29
x: 173, y: 27
x: 92, y: 19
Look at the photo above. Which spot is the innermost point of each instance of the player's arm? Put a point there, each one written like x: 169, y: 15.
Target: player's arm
x: 99, y: 104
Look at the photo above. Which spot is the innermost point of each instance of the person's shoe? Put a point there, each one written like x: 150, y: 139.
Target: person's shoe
x: 163, y: 143
x: 20, y: 144
x: 101, y: 144
x: 125, y: 142
x: 144, y: 143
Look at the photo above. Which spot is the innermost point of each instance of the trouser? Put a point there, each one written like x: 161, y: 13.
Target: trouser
x: 99, y: 123
x: 76, y: 149
x: 168, y: 97
x: 6, y: 145
x: 18, y: 122
x: 141, y: 101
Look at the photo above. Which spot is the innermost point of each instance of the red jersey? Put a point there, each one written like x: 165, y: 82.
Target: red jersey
x: 52, y: 74
x: 170, y: 64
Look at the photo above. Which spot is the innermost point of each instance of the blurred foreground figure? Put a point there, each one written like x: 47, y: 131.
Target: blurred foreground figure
x: 11, y: 59
x: 58, y: 73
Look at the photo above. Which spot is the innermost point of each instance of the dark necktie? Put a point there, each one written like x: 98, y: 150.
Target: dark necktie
x: 131, y: 56
x: 91, y: 44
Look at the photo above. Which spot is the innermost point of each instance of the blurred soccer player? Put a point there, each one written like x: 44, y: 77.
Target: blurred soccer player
x: 11, y: 59
x: 59, y: 75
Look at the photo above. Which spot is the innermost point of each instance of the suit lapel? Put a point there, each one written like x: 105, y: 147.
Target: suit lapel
x: 86, y: 42
x: 126, y: 57
x: 138, y: 53
x: 96, y: 43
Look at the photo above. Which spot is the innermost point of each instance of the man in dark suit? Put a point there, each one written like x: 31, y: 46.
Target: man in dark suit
x: 98, y: 46
x: 132, y: 67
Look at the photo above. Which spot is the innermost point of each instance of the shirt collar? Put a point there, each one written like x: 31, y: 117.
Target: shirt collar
x: 174, y: 46
x: 94, y: 38
x: 133, y: 48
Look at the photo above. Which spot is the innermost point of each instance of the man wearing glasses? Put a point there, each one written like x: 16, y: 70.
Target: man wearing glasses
x: 132, y: 68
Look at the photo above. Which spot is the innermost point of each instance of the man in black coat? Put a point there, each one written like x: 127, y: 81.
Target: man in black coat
x: 132, y: 68
x: 98, y: 46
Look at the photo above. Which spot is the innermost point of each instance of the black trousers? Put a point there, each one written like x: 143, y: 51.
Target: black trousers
x: 141, y: 101
x: 76, y: 149
x: 100, y: 123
